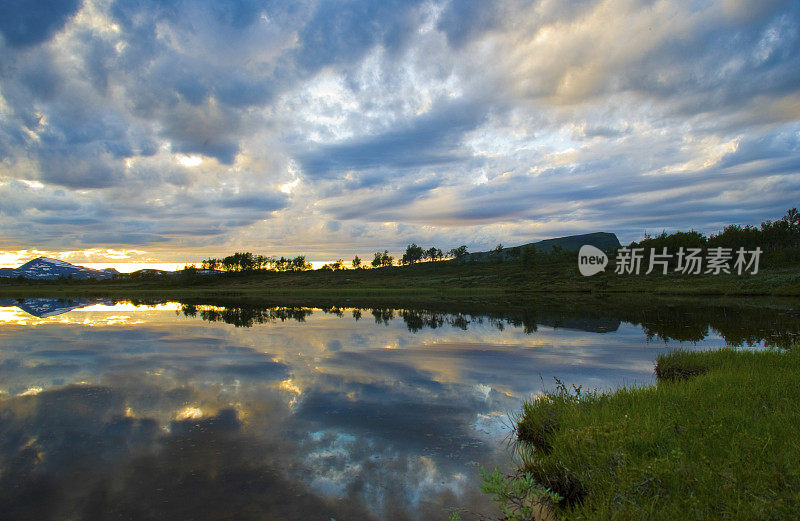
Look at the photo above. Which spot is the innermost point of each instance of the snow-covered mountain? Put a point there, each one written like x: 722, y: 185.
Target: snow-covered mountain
x: 44, y: 268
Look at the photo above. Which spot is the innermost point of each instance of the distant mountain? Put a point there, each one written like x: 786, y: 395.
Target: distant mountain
x: 44, y: 268
x: 602, y: 240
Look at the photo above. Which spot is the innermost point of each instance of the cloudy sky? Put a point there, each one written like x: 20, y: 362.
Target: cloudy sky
x: 173, y: 130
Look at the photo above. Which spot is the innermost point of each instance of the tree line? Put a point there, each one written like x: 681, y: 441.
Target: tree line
x: 247, y: 261
x: 779, y: 239
x: 415, y: 253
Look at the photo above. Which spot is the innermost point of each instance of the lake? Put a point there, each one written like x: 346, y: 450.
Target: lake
x: 110, y: 410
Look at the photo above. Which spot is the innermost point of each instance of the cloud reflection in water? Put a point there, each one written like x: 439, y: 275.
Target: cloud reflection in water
x: 304, y: 415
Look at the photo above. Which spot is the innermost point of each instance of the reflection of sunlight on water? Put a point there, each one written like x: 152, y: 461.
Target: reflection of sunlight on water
x: 434, y: 479
x: 483, y: 390
x: 13, y: 315
x: 31, y: 391
x: 98, y: 315
x: 128, y: 306
x: 290, y: 387
x: 492, y: 425
x: 189, y: 413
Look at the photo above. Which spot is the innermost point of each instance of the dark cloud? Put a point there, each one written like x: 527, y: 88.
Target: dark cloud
x: 92, y: 167
x: 603, y: 131
x: 374, y: 205
x: 29, y: 22
x: 234, y: 14
x: 772, y: 146
x: 118, y: 238
x: 344, y: 32
x: 725, y: 66
x: 267, y: 202
x: 18, y: 197
x: 430, y: 139
x: 40, y: 77
x: 463, y: 20
x: 238, y: 90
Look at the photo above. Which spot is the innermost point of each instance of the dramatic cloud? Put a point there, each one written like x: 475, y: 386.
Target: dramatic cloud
x: 430, y: 139
x: 197, y: 127
x: 32, y: 22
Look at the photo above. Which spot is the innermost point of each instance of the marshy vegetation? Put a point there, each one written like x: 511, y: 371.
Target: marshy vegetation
x: 715, y: 438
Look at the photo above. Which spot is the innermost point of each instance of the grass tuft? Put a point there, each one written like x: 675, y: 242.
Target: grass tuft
x: 537, y: 425
x: 680, y: 365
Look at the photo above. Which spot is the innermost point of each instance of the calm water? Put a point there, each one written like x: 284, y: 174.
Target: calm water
x: 172, y: 411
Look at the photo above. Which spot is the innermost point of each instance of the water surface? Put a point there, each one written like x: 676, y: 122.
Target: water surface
x: 110, y: 410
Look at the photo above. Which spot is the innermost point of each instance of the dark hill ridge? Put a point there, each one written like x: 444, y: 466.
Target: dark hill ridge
x: 44, y: 268
x: 602, y: 240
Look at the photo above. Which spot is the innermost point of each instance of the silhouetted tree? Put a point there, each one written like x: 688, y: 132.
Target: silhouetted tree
x: 299, y: 263
x: 382, y: 259
x: 211, y: 264
x: 262, y: 262
x: 459, y: 253
x: 528, y: 255
x: 433, y: 253
x: 497, y: 253
x: 413, y: 254
x: 334, y: 266
x: 356, y: 262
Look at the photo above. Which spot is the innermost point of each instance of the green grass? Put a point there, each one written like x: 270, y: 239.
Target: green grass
x: 718, y: 438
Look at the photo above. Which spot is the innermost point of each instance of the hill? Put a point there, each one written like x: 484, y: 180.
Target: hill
x: 44, y: 268
x: 602, y: 240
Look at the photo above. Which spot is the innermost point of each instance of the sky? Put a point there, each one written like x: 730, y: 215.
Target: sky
x: 170, y: 131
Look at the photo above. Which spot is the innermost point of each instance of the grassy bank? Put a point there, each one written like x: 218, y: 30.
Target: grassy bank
x: 431, y: 280
x: 715, y: 438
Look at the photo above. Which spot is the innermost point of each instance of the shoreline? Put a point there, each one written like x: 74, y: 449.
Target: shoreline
x: 425, y: 281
